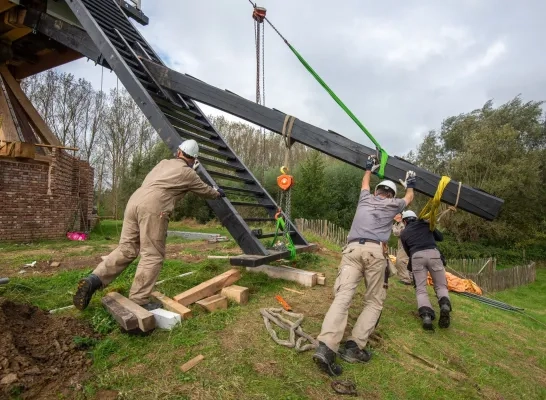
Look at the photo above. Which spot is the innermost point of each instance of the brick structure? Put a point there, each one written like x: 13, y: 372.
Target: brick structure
x: 45, y: 199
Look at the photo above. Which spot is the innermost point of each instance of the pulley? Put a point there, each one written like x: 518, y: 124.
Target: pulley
x: 259, y: 14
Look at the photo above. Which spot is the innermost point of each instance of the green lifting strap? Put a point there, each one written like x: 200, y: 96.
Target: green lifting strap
x: 384, y: 157
x: 289, y: 243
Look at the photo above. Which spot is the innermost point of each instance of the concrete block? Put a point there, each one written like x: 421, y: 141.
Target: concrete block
x: 165, y: 319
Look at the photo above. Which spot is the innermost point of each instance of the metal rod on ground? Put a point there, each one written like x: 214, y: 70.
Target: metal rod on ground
x: 174, y: 277
x: 4, y: 281
x: 60, y: 309
x: 491, y: 302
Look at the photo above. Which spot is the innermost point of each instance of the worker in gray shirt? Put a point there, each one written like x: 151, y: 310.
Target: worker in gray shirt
x: 362, y: 257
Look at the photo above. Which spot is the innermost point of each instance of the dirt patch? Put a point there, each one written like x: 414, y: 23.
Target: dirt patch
x: 41, y: 355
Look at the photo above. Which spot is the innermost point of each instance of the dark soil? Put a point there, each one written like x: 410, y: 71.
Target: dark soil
x: 41, y: 356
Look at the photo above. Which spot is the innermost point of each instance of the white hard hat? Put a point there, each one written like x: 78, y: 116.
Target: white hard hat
x: 389, y: 184
x: 408, y: 214
x: 189, y: 147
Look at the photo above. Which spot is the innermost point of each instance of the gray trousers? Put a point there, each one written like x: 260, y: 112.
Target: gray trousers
x: 428, y: 261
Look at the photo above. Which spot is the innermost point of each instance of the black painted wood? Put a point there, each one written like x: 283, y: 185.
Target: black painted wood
x: 472, y: 200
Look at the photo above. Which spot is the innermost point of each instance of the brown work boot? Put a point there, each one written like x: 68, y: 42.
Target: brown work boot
x: 325, y: 358
x: 86, y: 288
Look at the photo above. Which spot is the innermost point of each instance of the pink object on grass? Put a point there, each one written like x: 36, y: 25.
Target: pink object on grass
x: 77, y: 236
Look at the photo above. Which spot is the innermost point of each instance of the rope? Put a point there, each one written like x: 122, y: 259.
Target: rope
x: 274, y: 315
x: 430, y: 210
x: 344, y: 387
x: 287, y: 137
x: 383, y: 154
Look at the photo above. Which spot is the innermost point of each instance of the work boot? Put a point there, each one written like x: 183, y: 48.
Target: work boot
x: 445, y: 309
x: 86, y: 288
x: 352, y: 353
x: 427, y: 316
x: 151, y: 306
x: 325, y: 358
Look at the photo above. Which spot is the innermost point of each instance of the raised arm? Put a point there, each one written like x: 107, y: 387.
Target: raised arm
x: 371, y: 165
x: 409, y: 184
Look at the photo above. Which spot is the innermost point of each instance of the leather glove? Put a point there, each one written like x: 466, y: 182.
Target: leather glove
x: 221, y: 191
x: 410, y: 181
x: 371, y: 164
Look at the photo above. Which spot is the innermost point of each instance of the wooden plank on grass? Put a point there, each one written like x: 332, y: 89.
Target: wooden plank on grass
x: 171, y: 305
x: 238, y: 294
x: 305, y: 278
x: 146, y: 320
x: 192, y: 363
x: 213, y: 303
x: 208, y: 288
x: 126, y: 319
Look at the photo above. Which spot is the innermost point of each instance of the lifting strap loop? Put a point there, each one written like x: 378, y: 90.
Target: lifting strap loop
x: 431, y: 208
x: 287, y: 137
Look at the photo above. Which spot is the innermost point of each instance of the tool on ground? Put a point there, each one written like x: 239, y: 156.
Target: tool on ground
x: 344, y: 387
x: 4, y: 281
x: 56, y: 310
x: 274, y: 315
x: 283, y: 303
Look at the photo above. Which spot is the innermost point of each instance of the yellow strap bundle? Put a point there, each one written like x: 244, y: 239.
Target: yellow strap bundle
x: 430, y: 211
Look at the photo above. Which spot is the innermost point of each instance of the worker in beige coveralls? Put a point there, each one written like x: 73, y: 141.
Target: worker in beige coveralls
x: 145, y: 227
x: 402, y: 258
x: 363, y: 257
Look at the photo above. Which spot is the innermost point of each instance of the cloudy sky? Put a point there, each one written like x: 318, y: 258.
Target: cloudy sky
x: 400, y: 66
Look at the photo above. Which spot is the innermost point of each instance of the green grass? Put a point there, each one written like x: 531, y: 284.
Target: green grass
x: 486, y: 354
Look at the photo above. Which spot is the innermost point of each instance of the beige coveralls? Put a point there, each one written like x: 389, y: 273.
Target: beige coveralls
x: 402, y: 258
x: 145, y: 225
x: 373, y: 221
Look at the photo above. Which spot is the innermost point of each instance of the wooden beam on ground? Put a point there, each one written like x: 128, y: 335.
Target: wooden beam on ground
x: 171, y: 305
x: 208, y: 288
x: 39, y: 124
x: 472, y: 200
x: 192, y: 363
x: 146, y: 320
x: 238, y: 294
x: 213, y: 303
x: 305, y: 278
x: 126, y: 319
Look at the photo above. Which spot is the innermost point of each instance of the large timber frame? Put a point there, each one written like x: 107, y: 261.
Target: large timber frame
x: 101, y: 31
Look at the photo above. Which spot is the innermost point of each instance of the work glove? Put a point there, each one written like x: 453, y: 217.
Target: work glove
x: 410, y: 180
x: 195, y: 165
x: 221, y: 191
x: 371, y: 164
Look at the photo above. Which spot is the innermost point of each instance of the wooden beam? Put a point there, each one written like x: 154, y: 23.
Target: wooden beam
x: 305, y: 278
x: 213, y: 303
x: 472, y: 200
x: 47, y: 61
x: 6, y: 5
x: 208, y: 288
x: 146, y: 320
x: 126, y: 319
x: 39, y: 124
x: 171, y: 305
x: 238, y: 294
x: 8, y: 131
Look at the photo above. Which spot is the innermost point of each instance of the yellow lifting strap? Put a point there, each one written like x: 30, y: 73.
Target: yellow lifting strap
x: 430, y: 210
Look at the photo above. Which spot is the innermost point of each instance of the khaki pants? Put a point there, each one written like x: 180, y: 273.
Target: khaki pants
x: 401, y: 266
x: 145, y: 231
x: 423, y: 262
x: 358, y: 261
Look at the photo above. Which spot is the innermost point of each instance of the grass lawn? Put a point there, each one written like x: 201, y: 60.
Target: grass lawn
x: 486, y: 354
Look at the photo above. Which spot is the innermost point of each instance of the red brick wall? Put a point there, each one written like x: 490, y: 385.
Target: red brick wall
x: 28, y: 212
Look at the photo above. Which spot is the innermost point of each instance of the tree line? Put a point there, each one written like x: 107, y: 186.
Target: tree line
x: 501, y: 150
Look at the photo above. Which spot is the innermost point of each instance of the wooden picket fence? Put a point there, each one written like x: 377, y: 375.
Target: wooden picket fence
x: 483, y: 271
x: 505, y: 278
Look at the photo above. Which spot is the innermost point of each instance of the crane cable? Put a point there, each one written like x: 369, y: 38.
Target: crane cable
x: 381, y: 152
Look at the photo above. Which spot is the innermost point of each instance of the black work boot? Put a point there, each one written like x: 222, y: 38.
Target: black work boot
x: 325, y: 358
x: 151, y: 306
x: 352, y: 353
x: 445, y: 309
x: 427, y: 316
x: 86, y: 288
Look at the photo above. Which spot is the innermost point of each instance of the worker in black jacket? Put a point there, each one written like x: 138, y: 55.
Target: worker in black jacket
x: 424, y: 257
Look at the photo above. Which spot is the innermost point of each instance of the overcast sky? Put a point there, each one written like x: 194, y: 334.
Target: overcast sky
x: 400, y: 66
